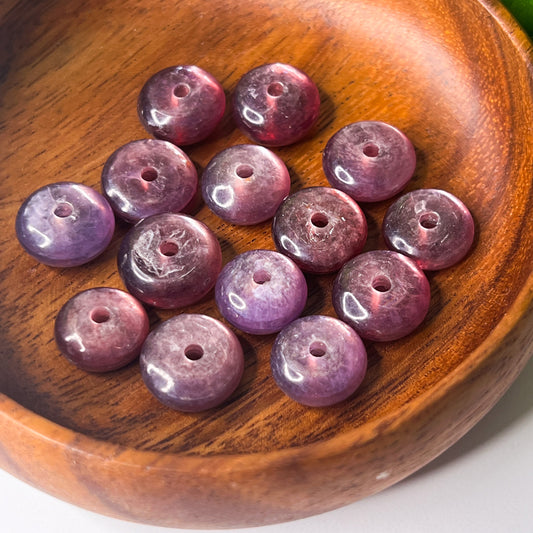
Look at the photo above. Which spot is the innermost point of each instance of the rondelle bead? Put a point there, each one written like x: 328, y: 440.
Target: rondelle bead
x: 181, y: 104
x: 382, y: 294
x: 318, y: 360
x: 432, y: 227
x: 192, y: 362
x: 319, y: 228
x: 371, y: 161
x: 65, y: 224
x: 148, y: 177
x: 245, y: 184
x: 169, y: 260
x: 261, y: 291
x: 101, y: 329
x: 276, y: 104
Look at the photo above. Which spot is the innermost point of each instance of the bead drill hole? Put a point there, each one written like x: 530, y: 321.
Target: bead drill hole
x: 194, y: 352
x: 320, y: 220
x: 100, y: 315
x: 429, y: 220
x: 181, y: 90
x: 261, y: 276
x: 149, y: 174
x: 275, y: 89
x: 371, y: 150
x: 317, y: 349
x: 244, y: 171
x: 381, y: 284
x: 63, y: 210
x: 168, y: 248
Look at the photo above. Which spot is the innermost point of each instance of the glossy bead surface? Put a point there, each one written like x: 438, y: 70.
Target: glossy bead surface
x: 101, y: 329
x: 276, y: 104
x: 245, y: 184
x: 261, y: 291
x: 181, y: 104
x: 382, y: 295
x: 432, y: 227
x: 318, y: 361
x: 371, y: 161
x: 65, y: 224
x: 148, y: 177
x: 169, y: 260
x: 319, y: 228
x: 192, y: 362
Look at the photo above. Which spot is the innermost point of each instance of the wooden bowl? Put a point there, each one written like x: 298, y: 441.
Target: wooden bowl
x: 456, y: 77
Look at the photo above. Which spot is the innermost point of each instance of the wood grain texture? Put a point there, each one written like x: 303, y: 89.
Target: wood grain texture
x: 456, y: 77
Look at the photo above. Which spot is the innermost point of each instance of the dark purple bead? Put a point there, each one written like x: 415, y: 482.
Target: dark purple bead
x: 370, y: 161
x: 245, y: 184
x: 276, y: 104
x: 182, y: 104
x: 169, y: 260
x: 432, y: 227
x: 65, y: 224
x: 319, y: 228
x: 318, y: 361
x: 382, y: 294
x: 148, y: 177
x: 261, y: 291
x: 101, y: 329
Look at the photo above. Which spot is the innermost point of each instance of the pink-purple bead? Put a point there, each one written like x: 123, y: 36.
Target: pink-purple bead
x: 261, y: 291
x: 245, y: 184
x: 319, y: 228
x: 318, y: 361
x: 432, y: 227
x: 169, y: 260
x: 276, y: 104
x: 101, y: 329
x: 192, y: 362
x: 181, y: 104
x: 382, y: 295
x: 65, y: 224
x: 148, y: 177
x: 371, y: 161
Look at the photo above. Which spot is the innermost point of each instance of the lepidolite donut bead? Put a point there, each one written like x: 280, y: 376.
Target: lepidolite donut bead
x: 169, y: 260
x: 192, y: 362
x: 319, y: 228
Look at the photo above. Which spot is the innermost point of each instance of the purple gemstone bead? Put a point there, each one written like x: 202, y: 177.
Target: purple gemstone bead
x: 148, y: 177
x: 245, y: 184
x: 101, y: 329
x: 182, y: 104
x: 65, y: 224
x: 432, y: 227
x: 276, y: 104
x: 192, y: 362
x: 169, y: 260
x: 370, y: 161
x: 320, y: 229
x: 261, y: 291
x: 382, y: 294
x: 318, y: 361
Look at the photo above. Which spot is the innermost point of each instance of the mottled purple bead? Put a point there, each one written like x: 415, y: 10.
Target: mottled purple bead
x: 381, y: 294
x: 169, y: 260
x: 319, y: 228
x: 148, y: 177
x: 182, y: 104
x: 371, y: 161
x: 245, y: 184
x: 192, y: 362
x: 318, y: 361
x: 261, y: 291
x: 101, y: 329
x: 276, y: 104
x: 432, y: 227
x: 65, y: 224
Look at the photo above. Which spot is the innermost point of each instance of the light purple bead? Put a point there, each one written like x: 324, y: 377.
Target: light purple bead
x: 382, y: 295
x: 101, y: 329
x: 319, y: 228
x: 245, y: 184
x: 318, y: 361
x: 432, y: 227
x: 65, y: 224
x: 261, y: 291
x: 169, y: 260
x: 148, y: 177
x: 192, y: 362
x: 371, y: 161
